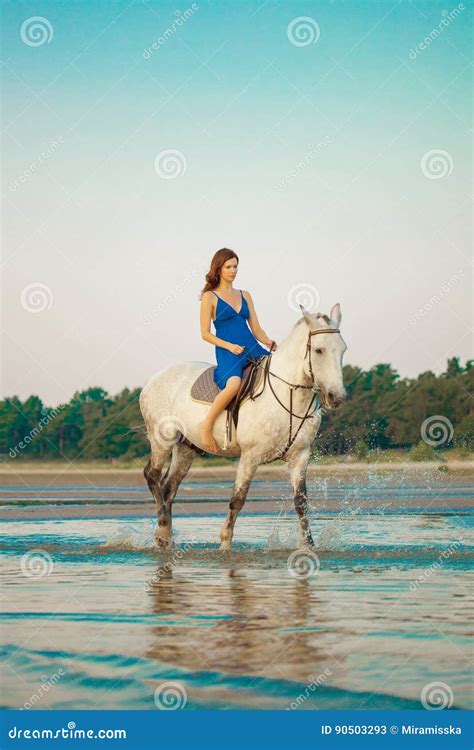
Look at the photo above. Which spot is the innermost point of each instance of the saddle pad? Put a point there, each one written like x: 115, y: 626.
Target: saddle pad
x: 204, y: 389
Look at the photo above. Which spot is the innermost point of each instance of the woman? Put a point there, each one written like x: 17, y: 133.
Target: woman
x: 235, y: 341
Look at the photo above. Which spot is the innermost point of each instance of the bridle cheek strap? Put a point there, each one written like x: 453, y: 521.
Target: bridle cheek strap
x: 308, y: 346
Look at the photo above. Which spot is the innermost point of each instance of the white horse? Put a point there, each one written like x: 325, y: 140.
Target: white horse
x: 306, y: 368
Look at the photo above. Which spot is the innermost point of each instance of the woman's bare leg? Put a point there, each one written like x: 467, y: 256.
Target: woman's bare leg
x: 218, y: 405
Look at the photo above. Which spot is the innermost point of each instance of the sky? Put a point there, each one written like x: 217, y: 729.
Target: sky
x: 326, y: 143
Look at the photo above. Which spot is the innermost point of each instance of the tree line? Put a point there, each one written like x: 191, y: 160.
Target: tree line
x: 382, y: 411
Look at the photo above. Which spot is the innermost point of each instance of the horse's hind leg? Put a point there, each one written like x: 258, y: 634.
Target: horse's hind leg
x: 181, y: 461
x: 298, y: 465
x: 245, y: 472
x: 153, y: 475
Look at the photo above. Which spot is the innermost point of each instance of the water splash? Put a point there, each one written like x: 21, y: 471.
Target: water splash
x: 330, y: 537
x: 132, y: 536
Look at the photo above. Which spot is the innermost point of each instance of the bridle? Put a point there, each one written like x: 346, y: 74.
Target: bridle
x: 293, y: 386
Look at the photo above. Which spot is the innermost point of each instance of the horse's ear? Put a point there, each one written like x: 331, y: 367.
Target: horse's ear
x: 335, y: 314
x: 307, y: 316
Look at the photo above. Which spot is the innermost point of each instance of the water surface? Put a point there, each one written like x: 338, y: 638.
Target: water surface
x: 94, y: 617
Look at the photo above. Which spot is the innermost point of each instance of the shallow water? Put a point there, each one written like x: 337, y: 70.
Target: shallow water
x: 94, y: 617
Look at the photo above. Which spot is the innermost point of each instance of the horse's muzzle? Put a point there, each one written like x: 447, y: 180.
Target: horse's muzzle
x: 331, y: 400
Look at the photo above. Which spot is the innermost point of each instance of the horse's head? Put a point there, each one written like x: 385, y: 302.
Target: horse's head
x: 323, y: 360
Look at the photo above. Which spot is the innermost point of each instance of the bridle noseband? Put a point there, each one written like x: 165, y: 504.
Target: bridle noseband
x: 294, y: 386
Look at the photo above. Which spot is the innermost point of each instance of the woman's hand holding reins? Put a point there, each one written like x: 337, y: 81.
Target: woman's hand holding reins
x: 236, y: 349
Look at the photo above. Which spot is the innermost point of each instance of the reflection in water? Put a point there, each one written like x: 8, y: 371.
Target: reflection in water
x: 251, y: 631
x: 236, y: 629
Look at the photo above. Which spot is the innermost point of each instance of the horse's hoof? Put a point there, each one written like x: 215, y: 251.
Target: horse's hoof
x: 162, y: 542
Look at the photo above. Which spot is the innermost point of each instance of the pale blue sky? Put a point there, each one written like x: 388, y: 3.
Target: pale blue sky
x: 377, y: 217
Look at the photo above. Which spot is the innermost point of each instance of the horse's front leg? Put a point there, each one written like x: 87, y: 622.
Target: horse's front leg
x: 245, y: 472
x: 298, y: 466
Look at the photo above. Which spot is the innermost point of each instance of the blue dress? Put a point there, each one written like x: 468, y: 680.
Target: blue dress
x: 232, y: 326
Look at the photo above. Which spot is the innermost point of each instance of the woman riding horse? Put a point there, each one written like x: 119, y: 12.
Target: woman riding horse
x: 237, y: 334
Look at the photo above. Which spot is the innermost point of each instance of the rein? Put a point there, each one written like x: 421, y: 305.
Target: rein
x: 293, y: 386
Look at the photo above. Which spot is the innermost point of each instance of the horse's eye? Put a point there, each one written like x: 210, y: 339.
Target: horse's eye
x: 318, y: 351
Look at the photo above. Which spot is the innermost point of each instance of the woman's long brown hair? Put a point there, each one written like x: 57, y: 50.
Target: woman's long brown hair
x: 214, y: 274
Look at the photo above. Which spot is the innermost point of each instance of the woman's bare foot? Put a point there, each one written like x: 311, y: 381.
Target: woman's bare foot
x: 207, y: 438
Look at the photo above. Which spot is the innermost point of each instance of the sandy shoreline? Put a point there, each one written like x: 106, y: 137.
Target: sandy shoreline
x: 89, y: 492
x: 70, y: 474
x: 219, y: 507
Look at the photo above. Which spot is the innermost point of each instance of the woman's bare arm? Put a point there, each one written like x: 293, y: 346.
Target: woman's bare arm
x: 206, y: 318
x: 254, y: 324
